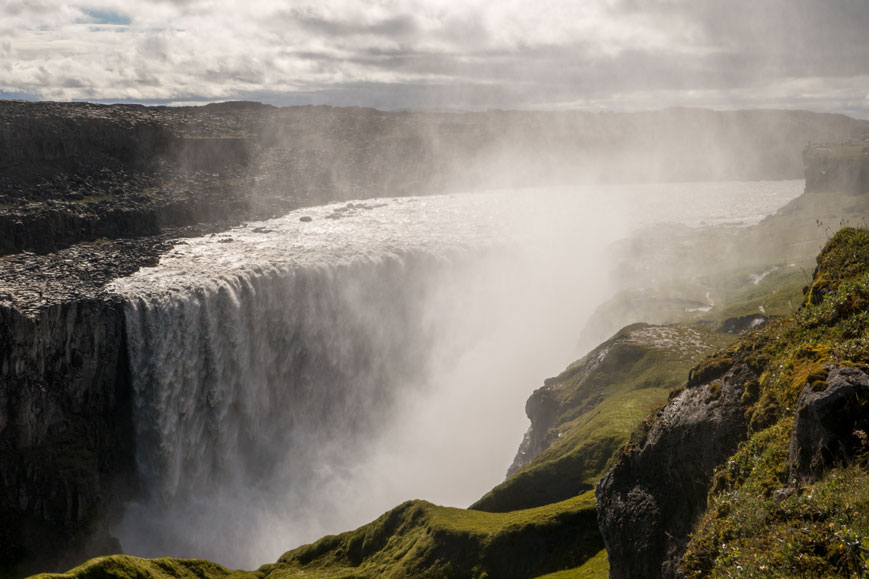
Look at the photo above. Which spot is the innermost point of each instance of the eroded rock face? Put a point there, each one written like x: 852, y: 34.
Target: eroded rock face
x: 831, y: 424
x: 542, y: 409
x: 65, y: 436
x: 650, y: 500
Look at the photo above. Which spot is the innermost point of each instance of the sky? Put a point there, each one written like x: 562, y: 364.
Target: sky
x: 599, y: 55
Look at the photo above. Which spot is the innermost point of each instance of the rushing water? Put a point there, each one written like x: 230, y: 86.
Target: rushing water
x: 300, y: 375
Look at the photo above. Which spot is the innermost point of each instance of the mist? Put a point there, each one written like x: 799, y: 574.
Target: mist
x: 387, y: 352
x: 345, y: 241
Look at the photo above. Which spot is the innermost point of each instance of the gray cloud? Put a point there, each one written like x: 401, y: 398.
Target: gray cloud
x: 595, y: 54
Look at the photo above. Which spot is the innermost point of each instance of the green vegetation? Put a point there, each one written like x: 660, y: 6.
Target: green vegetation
x: 541, y: 522
x: 602, y: 398
x: 778, y: 293
x: 418, y: 539
x: 127, y: 567
x: 596, y: 567
x: 760, y: 524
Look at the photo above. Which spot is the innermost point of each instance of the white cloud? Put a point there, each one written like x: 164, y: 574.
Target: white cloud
x: 514, y: 53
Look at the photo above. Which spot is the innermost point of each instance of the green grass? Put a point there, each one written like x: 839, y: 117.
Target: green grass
x: 418, y: 539
x: 778, y: 293
x: 128, y: 567
x: 821, y: 531
x: 603, y: 398
x: 759, y: 524
x: 595, y: 568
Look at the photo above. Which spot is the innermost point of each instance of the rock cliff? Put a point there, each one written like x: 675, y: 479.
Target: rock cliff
x: 73, y: 172
x: 757, y: 425
x: 581, y: 417
x: 65, y: 433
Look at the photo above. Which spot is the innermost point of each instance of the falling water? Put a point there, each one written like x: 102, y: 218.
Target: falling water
x: 296, y: 377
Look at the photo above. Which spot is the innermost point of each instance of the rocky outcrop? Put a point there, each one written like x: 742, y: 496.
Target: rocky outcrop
x: 831, y: 424
x: 542, y: 409
x: 795, y: 391
x: 581, y: 417
x: 65, y: 432
x: 653, y: 496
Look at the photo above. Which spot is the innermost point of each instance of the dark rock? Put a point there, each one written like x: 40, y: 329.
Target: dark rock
x: 742, y: 324
x: 653, y: 496
x: 65, y: 433
x: 828, y: 424
x: 542, y: 408
x: 305, y: 219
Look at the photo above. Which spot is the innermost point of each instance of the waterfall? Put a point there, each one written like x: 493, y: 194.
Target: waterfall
x: 252, y: 391
x: 299, y: 376
x: 267, y: 362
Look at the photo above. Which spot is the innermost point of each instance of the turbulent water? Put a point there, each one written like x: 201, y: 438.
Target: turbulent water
x: 298, y: 376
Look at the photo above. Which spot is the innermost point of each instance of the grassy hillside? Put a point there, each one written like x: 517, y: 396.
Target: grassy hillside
x: 766, y: 516
x: 546, y: 521
x: 600, y: 399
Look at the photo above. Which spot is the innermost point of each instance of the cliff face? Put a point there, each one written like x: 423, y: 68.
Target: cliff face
x: 758, y: 425
x: 649, y: 502
x: 73, y: 172
x: 65, y: 435
x: 581, y: 417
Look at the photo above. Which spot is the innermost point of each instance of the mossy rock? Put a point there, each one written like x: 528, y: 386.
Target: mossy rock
x: 760, y: 521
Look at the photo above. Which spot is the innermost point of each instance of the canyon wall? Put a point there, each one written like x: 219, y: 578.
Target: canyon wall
x: 65, y: 432
x: 73, y: 172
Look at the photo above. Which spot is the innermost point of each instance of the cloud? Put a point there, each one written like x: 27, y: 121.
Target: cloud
x: 440, y: 53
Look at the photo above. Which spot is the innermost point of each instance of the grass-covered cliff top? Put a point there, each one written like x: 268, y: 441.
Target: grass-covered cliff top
x: 767, y: 517
x: 596, y: 404
x: 415, y: 539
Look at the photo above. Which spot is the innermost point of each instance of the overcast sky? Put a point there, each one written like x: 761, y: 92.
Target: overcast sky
x: 454, y: 54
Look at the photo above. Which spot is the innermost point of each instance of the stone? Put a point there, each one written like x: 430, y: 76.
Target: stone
x: 830, y: 425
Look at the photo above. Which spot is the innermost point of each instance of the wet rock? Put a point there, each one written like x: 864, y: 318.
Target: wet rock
x: 831, y: 424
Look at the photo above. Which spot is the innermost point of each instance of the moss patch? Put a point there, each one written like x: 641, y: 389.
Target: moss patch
x: 758, y: 523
